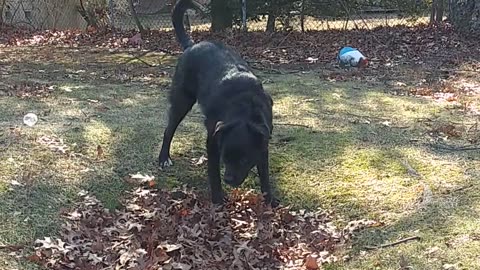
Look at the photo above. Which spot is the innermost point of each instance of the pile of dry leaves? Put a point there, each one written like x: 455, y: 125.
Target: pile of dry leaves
x: 180, y: 229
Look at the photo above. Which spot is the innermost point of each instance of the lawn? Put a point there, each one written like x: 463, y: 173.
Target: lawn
x: 355, y: 148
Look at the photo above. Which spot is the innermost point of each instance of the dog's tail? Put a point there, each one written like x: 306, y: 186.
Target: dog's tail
x: 177, y: 20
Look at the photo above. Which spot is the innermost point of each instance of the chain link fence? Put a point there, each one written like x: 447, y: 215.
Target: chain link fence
x: 155, y: 15
x: 41, y: 14
x: 152, y: 14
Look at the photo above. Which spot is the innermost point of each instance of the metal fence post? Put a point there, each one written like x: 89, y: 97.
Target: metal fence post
x: 111, y: 13
x: 244, y: 15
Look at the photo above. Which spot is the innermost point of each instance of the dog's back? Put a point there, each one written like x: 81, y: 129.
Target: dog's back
x: 207, y: 66
x: 210, y: 69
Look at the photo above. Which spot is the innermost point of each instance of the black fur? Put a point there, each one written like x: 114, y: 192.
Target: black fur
x: 238, y: 112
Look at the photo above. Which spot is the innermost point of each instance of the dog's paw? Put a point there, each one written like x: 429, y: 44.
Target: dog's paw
x: 272, y: 201
x: 275, y: 203
x: 166, y: 163
x: 219, y: 200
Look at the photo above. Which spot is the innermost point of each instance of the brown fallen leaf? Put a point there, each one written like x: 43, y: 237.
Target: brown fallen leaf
x: 140, y: 179
x: 184, y: 212
x: 99, y: 151
x: 449, y: 130
x: 160, y: 255
x: 311, y: 262
x: 97, y: 246
x: 34, y: 258
x: 170, y: 247
x: 404, y: 265
x: 151, y: 183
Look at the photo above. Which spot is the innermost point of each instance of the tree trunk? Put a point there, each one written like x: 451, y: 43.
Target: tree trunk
x: 433, y: 12
x: 111, y: 13
x: 186, y: 22
x: 440, y: 9
x: 222, y: 15
x: 465, y: 15
x: 271, y: 23
x: 302, y: 17
x: 87, y: 15
x: 436, y: 15
x: 244, y: 15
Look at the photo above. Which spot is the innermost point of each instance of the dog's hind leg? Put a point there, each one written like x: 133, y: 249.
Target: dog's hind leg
x: 180, y: 105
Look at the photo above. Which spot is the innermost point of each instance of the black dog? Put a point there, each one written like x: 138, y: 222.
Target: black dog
x: 238, y: 112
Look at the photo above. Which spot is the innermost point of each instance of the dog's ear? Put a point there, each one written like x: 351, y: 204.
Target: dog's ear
x: 260, y: 129
x: 218, y: 126
x: 221, y: 127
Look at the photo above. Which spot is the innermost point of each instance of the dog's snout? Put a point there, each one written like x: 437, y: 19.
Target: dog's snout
x: 230, y: 180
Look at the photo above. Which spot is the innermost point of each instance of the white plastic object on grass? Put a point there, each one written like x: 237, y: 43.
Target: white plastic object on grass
x: 30, y: 119
x: 351, y: 57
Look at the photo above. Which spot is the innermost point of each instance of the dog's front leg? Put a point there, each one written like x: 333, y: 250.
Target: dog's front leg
x: 214, y: 170
x: 263, y: 173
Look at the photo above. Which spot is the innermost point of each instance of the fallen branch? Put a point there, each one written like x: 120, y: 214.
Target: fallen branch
x: 366, y: 116
x: 393, y: 244
x: 138, y: 57
x: 12, y: 247
x: 281, y: 47
x: 410, y: 170
x: 293, y: 125
x: 283, y: 40
x: 455, y: 148
x: 459, y: 189
x: 146, y: 63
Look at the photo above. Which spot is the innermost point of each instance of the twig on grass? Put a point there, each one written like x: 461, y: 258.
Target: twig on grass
x: 293, y: 125
x: 455, y: 148
x: 366, y: 116
x: 138, y: 57
x: 12, y: 247
x: 459, y: 189
x: 283, y: 40
x: 410, y: 170
x: 394, y: 243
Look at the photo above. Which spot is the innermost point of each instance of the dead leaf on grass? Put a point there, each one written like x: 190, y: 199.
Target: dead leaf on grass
x: 99, y: 151
x: 54, y: 143
x: 311, y: 263
x: 447, y: 129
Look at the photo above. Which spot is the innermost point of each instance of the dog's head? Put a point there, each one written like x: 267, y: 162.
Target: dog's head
x: 241, y: 146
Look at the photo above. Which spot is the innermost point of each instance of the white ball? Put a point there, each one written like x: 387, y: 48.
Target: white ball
x: 30, y: 119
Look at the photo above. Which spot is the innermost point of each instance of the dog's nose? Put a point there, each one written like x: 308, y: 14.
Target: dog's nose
x: 230, y: 181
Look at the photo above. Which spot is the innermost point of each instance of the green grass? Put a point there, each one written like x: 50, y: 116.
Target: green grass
x: 344, y: 146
